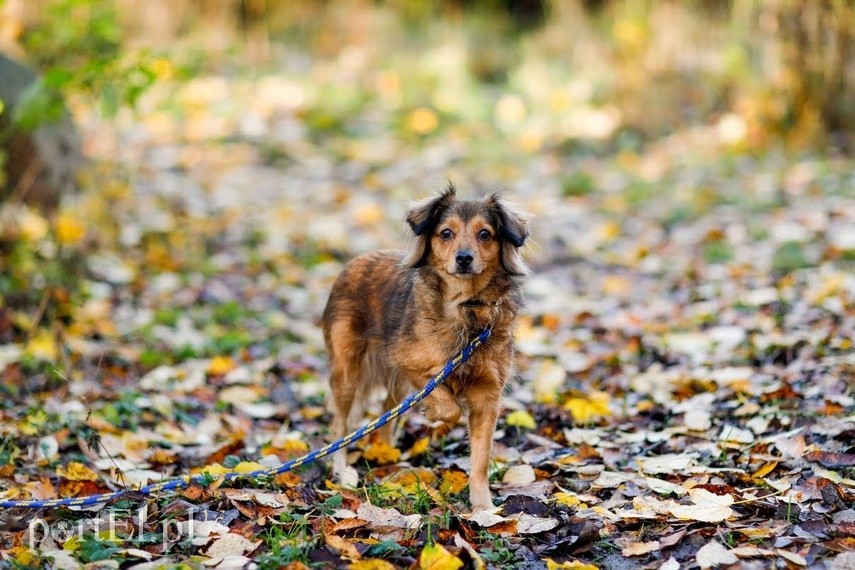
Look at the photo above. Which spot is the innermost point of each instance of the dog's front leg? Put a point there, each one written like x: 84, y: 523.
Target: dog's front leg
x: 483, y: 413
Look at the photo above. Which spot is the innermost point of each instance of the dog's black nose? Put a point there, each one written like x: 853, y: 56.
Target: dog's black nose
x: 464, y: 258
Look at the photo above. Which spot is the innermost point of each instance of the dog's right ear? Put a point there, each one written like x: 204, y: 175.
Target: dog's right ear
x: 422, y: 218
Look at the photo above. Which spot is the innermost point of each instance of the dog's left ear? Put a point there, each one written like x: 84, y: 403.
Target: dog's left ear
x: 512, y: 226
x: 423, y: 215
x: 422, y: 218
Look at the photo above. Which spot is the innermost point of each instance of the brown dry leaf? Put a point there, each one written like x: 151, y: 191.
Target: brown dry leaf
x: 831, y: 460
x: 348, y: 524
x: 346, y: 548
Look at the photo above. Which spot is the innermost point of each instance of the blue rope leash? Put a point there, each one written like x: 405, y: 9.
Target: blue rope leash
x: 187, y: 480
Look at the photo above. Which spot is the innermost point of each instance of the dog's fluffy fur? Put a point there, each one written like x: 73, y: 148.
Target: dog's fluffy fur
x: 394, y: 318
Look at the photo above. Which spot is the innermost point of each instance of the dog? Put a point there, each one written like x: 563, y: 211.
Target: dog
x: 394, y: 318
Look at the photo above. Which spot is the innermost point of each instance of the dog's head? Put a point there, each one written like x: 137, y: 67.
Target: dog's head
x: 467, y: 237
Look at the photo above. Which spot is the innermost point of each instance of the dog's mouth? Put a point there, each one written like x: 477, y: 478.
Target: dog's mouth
x: 464, y: 272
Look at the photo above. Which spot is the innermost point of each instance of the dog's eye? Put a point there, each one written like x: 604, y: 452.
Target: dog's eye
x: 484, y: 235
x: 446, y: 234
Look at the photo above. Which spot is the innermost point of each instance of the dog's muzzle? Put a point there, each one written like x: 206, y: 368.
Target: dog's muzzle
x: 464, y: 259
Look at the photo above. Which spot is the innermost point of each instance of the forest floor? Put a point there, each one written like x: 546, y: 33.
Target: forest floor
x: 684, y: 390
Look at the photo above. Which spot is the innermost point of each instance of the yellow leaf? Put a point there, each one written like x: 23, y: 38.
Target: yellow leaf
x: 585, y: 410
x: 294, y: 445
x: 213, y: 470
x: 24, y: 556
x: 33, y: 423
x: 382, y: 453
x: 453, y: 482
x: 765, y: 469
x: 435, y: 557
x: 69, y: 230
x: 567, y: 499
x: 370, y: 564
x: 76, y: 471
x: 220, y: 365
x: 419, y: 447
x: 569, y: 565
x: 521, y: 419
x: 43, y: 346
x: 422, y: 121
x: 248, y: 467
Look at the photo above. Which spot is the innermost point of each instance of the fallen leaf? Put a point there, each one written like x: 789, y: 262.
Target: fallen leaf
x: 714, y: 554
x: 76, y: 471
x: 668, y: 463
x: 370, y: 564
x: 380, y: 519
x: 343, y: 545
x: 382, y: 453
x: 69, y: 229
x: 707, y: 507
x: 435, y: 557
x: 521, y: 419
x: 453, y: 482
x: 519, y: 475
x: 220, y: 365
x: 640, y: 548
x: 586, y: 410
x: 231, y: 544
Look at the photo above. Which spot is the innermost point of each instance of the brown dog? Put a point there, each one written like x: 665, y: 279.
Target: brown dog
x: 394, y: 318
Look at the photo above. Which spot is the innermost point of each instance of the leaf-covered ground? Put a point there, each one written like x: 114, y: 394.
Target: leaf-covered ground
x: 683, y: 394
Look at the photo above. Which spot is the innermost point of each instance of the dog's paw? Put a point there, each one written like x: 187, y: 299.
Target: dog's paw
x: 481, y: 500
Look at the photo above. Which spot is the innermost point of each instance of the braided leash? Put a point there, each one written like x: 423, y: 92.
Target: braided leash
x: 187, y: 480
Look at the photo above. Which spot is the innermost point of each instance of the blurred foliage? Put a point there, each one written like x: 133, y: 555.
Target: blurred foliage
x: 770, y: 70
x: 78, y: 45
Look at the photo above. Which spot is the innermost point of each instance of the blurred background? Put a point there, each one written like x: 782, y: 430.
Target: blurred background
x: 504, y: 78
x: 668, y: 137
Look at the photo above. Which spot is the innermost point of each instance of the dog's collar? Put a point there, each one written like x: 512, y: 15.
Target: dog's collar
x: 476, y: 302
